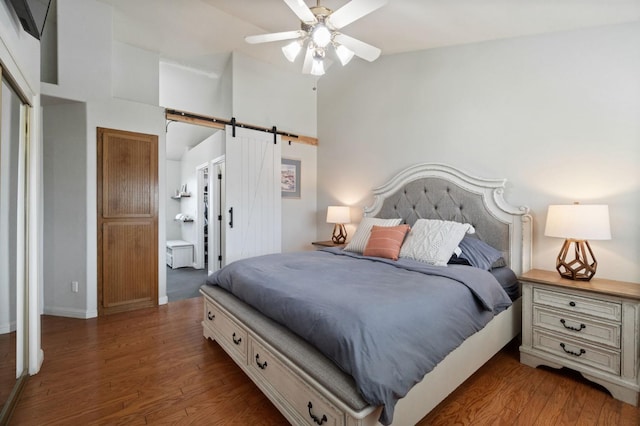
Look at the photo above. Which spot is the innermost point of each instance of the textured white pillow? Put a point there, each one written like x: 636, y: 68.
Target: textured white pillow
x: 434, y: 241
x: 361, y: 237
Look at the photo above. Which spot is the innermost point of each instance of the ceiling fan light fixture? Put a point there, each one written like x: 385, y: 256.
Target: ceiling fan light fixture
x: 292, y: 50
x: 317, y: 68
x: 344, y: 54
x: 321, y: 27
x: 321, y: 35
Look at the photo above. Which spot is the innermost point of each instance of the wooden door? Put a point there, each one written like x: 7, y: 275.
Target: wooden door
x: 253, y: 197
x: 127, y: 221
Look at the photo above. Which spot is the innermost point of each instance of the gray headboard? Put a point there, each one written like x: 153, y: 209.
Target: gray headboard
x: 438, y: 191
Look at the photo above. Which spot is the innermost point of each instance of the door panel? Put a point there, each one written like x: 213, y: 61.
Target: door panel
x: 128, y: 261
x: 253, y: 198
x: 127, y: 221
x: 128, y: 177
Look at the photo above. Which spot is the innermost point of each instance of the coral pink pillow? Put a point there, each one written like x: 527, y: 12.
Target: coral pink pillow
x: 385, y: 241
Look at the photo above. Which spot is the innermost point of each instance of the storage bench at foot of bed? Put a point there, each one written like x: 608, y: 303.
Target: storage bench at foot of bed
x: 296, y: 396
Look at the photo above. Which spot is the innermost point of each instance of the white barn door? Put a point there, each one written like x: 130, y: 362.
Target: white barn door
x: 253, y: 204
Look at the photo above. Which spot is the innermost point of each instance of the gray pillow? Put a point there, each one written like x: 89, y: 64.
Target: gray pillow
x: 480, y: 254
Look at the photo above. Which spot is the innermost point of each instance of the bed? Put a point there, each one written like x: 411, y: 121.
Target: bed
x: 310, y: 388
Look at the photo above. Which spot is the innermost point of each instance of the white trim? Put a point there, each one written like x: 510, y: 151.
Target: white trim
x: 14, y: 71
x: 198, y: 260
x: 216, y: 205
x: 22, y: 278
x: 7, y: 327
x: 69, y: 312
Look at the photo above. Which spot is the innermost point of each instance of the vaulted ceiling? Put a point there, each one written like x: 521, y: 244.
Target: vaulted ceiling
x: 192, y: 32
x: 196, y: 33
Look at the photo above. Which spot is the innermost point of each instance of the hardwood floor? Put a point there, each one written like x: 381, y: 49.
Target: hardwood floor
x: 7, y: 365
x: 153, y: 366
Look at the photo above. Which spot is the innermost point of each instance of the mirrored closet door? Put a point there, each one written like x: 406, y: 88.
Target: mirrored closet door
x: 13, y: 134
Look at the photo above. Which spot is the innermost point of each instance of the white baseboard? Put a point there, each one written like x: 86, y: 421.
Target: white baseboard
x: 40, y: 360
x: 7, y: 327
x: 163, y: 300
x: 69, y: 312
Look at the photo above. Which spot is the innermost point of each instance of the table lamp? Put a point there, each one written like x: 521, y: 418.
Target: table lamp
x: 577, y: 223
x: 339, y: 215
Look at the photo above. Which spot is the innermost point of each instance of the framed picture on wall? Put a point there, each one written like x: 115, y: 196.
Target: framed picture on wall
x: 290, y: 178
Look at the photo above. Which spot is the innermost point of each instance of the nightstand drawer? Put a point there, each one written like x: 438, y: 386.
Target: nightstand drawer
x: 577, y: 326
x: 577, y: 351
x: 572, y: 303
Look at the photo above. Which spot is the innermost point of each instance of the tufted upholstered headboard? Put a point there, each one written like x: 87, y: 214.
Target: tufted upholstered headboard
x: 438, y: 191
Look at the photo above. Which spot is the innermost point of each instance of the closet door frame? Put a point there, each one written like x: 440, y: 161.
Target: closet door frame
x: 27, y: 253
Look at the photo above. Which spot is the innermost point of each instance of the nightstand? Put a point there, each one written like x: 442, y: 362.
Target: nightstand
x: 592, y: 327
x: 327, y: 244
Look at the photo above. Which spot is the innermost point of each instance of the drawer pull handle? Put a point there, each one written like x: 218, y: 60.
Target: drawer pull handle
x: 210, y: 316
x: 582, y: 351
x: 568, y: 327
x: 315, y: 418
x: 261, y: 366
x: 572, y: 304
x: 236, y: 341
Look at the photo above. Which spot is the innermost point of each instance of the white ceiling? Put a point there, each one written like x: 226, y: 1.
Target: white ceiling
x: 195, y: 33
x: 192, y: 31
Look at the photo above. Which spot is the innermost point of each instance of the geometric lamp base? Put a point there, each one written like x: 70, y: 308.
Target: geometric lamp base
x: 339, y: 234
x: 582, y: 267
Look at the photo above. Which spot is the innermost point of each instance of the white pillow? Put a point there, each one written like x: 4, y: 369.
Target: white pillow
x: 361, y: 237
x: 434, y: 241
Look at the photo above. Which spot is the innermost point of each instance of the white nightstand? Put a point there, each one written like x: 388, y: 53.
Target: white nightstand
x: 592, y: 327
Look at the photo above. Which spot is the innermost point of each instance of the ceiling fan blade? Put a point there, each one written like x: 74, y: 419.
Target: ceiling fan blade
x: 308, y: 62
x: 302, y: 11
x: 353, y: 11
x: 360, y: 48
x: 266, y: 38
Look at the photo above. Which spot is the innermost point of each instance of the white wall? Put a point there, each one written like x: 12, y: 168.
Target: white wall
x: 557, y: 115
x: 173, y: 182
x: 299, y: 215
x: 65, y: 205
x: 84, y: 51
x: 136, y: 74
x: 193, y: 90
x: 267, y: 96
x: 19, y: 51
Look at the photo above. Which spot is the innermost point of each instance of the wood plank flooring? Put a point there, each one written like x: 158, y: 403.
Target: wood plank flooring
x: 153, y: 366
x: 7, y: 365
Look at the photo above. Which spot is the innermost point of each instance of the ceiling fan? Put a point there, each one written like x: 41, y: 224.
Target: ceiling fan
x: 320, y: 33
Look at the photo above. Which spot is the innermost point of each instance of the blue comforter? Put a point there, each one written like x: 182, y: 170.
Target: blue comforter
x: 386, y: 323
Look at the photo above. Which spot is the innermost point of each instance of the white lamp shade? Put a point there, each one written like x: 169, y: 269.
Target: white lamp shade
x: 291, y: 50
x: 317, y: 68
x: 345, y: 55
x: 338, y: 214
x: 578, y: 222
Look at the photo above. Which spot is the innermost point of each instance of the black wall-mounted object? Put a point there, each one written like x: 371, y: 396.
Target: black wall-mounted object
x: 32, y: 15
